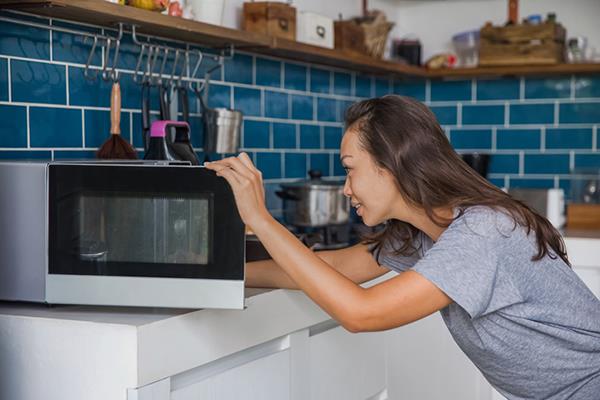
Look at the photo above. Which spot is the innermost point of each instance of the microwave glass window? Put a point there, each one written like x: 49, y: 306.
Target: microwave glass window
x: 131, y: 228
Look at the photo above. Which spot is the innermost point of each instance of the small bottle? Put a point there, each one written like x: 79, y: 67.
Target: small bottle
x: 158, y: 148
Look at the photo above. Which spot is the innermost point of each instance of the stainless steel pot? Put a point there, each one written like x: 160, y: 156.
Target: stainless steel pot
x: 315, y: 202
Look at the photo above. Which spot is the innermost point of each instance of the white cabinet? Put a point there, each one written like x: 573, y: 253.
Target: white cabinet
x: 267, y: 378
x: 347, y: 366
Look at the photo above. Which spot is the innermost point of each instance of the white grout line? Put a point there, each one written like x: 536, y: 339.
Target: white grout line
x: 521, y: 163
x: 572, y: 94
x: 595, y: 137
x: 506, y: 114
x: 473, y: 90
x: 297, y: 136
x: 253, y: 70
x: 543, y: 139
x: 271, y: 136
x: 427, y: 91
x: 322, y: 136
x: 556, y: 182
x: 494, y: 138
x: 28, y: 128
x: 521, y: 89
x: 50, y: 42
x: 571, y: 160
x: 9, y: 68
x: 459, y: 115
x: 67, y: 86
x: 556, y: 113
x: 83, y: 127
x: 353, y: 84
x: 506, y: 181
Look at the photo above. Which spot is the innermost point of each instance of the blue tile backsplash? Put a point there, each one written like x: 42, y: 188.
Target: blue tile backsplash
x: 540, y: 132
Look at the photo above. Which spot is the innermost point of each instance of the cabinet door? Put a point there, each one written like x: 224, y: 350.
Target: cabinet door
x: 266, y: 378
x: 346, y: 366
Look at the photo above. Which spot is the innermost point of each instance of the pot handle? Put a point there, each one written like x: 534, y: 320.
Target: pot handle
x: 286, y: 195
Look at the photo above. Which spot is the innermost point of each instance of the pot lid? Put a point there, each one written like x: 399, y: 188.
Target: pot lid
x: 315, y: 181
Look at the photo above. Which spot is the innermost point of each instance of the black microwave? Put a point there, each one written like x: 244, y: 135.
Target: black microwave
x: 119, y: 233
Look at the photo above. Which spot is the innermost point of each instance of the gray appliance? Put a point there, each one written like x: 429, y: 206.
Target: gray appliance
x: 119, y: 233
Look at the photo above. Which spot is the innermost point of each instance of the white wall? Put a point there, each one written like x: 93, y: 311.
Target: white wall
x: 435, y: 21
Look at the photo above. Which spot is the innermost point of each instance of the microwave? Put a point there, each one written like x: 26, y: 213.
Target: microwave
x: 150, y: 234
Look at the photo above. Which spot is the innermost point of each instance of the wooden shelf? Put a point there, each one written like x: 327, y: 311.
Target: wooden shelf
x: 103, y: 13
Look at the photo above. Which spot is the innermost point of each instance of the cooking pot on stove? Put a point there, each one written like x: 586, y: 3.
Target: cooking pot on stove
x: 314, y: 202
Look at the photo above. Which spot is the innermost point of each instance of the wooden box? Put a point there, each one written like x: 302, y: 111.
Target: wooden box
x: 583, y: 216
x: 522, y: 44
x: 270, y: 18
x: 349, y: 37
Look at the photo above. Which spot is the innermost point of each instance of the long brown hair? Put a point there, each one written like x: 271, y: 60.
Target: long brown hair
x: 403, y: 136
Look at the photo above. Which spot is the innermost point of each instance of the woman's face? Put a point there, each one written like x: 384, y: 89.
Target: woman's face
x: 372, y: 190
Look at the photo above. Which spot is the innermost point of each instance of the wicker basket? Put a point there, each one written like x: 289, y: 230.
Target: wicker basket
x: 365, y: 35
x: 376, y: 33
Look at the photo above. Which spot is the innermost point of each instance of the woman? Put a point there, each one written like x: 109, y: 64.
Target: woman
x: 496, y: 270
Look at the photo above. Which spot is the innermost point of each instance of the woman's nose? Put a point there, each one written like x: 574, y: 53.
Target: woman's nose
x: 347, y: 191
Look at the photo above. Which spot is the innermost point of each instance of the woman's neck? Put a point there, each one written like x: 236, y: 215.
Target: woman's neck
x: 422, y: 222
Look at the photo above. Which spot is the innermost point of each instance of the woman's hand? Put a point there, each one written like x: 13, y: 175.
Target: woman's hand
x: 247, y: 185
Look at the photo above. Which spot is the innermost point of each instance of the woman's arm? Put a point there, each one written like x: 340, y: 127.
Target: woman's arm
x: 355, y: 263
x: 397, y: 301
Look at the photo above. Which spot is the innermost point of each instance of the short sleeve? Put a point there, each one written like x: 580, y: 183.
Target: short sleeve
x: 399, y: 263
x: 464, y: 264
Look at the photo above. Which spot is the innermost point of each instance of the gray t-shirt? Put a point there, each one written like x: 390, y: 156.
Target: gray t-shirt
x: 532, y: 328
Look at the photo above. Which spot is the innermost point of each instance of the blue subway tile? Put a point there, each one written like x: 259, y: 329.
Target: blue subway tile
x: 284, y: 135
x: 13, y: 129
x: 547, y: 88
x: 276, y: 104
x: 518, y: 139
x: 295, y: 77
x: 268, y: 72
x: 74, y: 154
x: 343, y: 105
x: 498, y: 89
x: 310, y: 137
x: 295, y: 165
x: 415, y: 89
x: 319, y: 80
x: 471, y: 139
x: 35, y: 82
x: 364, y: 86
x: 220, y: 96
x: 504, y: 164
x: 196, y: 132
x: 482, y: 115
x: 342, y: 83
x: 269, y: 164
x: 446, y: 115
x: 565, y: 185
x: 562, y: 138
x: 131, y: 97
x: 55, y: 127
x: 97, y: 127
x: 579, y: 113
x: 239, y: 69
x: 247, y: 100
x: 588, y: 162
x: 256, y: 134
x: 546, y: 163
x: 497, y: 182
x: 3, y: 80
x: 382, y: 87
x: 25, y: 155
x: 85, y: 92
x: 74, y: 48
x: 273, y: 202
x: 338, y: 168
x: 587, y: 86
x: 320, y: 162
x: 531, y: 113
x: 332, y: 137
x: 302, y: 107
x: 531, y: 183
x: 326, y: 109
x: 450, y: 90
x: 24, y: 41
x: 137, y: 129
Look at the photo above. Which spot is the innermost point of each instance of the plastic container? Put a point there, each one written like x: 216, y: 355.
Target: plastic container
x: 209, y: 11
x: 466, y: 45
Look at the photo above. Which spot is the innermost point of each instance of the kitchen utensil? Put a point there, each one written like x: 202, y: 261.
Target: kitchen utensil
x: 146, y: 114
x: 314, y: 202
x: 221, y: 125
x: 466, y: 45
x: 181, y: 145
x: 116, y: 147
x: 158, y: 148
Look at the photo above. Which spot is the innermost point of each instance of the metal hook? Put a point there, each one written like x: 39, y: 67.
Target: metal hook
x: 185, y: 66
x: 139, y: 64
x: 106, y: 58
x: 152, y: 64
x: 86, y: 71
x: 172, y: 77
x: 114, y: 74
x: 162, y: 66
